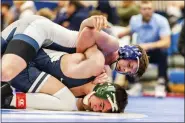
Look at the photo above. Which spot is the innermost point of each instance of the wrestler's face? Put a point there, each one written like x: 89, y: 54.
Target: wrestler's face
x: 98, y: 104
x: 127, y: 66
x: 146, y: 10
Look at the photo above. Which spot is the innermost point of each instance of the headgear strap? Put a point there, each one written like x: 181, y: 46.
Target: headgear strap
x: 107, y: 91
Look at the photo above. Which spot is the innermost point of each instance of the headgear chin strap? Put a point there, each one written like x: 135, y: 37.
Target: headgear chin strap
x: 129, y: 52
x: 104, y: 91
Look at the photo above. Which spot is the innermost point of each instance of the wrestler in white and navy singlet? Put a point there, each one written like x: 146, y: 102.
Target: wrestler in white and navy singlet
x: 36, y: 32
x: 25, y: 37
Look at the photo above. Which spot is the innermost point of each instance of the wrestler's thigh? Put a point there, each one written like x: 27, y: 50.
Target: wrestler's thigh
x: 32, y: 80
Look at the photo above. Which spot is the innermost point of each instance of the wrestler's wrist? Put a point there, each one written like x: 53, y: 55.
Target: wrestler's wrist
x: 88, y: 22
x: 89, y: 89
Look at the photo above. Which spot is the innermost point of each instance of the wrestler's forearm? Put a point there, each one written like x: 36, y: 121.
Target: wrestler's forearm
x: 83, y: 89
x: 78, y: 91
x: 86, y: 23
x: 84, y: 41
x: 105, y: 42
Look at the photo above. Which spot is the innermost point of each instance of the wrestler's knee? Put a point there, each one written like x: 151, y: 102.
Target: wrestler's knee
x: 12, y: 65
x: 7, y: 74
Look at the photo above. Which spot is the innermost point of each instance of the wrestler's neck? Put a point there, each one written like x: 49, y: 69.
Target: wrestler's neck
x: 89, y: 87
x: 111, y: 58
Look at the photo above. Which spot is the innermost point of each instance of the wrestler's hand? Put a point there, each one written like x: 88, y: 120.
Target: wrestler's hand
x: 99, y: 22
x: 102, y: 78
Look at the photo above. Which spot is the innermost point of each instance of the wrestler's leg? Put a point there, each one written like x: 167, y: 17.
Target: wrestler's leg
x: 12, y: 68
x: 42, y: 92
x: 89, y: 36
x: 53, y: 95
x: 15, y: 58
x: 24, y: 40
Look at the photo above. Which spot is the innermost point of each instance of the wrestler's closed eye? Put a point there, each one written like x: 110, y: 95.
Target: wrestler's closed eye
x: 130, y: 66
x: 103, y: 106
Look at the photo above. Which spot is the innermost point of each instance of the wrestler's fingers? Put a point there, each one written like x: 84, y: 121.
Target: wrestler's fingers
x: 104, y: 70
x: 104, y: 75
x: 96, y: 81
x: 101, y: 75
x: 101, y: 23
x: 103, y: 80
x: 105, y: 22
x: 108, y: 25
x: 97, y: 23
x: 99, y: 81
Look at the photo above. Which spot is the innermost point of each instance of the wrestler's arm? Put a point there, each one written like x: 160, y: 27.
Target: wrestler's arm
x: 83, y: 89
x: 88, y: 87
x: 88, y: 36
x: 106, y: 74
x: 92, y: 65
x: 97, y: 22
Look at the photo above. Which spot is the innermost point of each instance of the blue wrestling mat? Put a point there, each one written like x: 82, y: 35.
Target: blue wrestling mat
x: 139, y: 109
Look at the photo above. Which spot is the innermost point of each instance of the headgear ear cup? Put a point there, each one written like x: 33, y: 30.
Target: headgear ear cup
x: 86, y: 98
x: 104, y: 91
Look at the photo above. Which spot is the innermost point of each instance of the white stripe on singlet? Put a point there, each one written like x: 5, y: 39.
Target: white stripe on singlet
x: 36, y: 81
x: 42, y: 83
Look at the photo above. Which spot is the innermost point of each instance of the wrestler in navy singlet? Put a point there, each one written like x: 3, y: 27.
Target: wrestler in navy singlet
x: 39, y: 32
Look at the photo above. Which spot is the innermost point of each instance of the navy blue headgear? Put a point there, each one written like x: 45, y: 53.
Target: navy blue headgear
x: 129, y: 52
